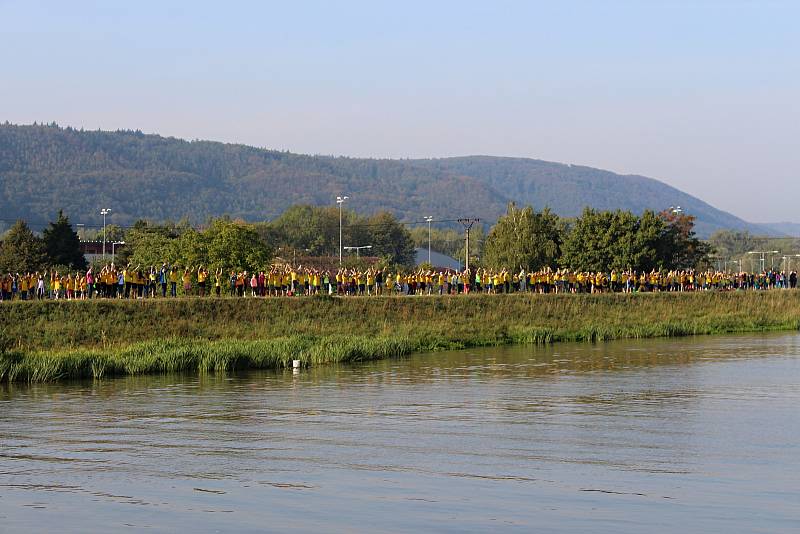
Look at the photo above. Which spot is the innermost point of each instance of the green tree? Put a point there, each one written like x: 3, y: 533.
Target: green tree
x: 734, y: 243
x: 235, y: 245
x: 191, y: 249
x: 22, y: 251
x: 594, y: 241
x: 646, y: 253
x: 389, y: 239
x: 680, y: 248
x: 606, y: 240
x: 309, y: 228
x: 148, y: 244
x: 62, y: 244
x: 149, y: 248
x: 523, y: 238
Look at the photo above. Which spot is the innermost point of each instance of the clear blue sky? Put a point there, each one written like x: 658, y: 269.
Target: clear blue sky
x: 702, y: 95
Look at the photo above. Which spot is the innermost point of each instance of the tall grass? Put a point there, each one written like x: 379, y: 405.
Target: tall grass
x: 48, y: 341
x: 175, y: 355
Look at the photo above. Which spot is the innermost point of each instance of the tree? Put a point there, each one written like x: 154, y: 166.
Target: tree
x: 680, y: 247
x: 734, y: 243
x: 62, y: 244
x: 605, y: 240
x: 149, y: 244
x: 390, y: 239
x: 191, y: 249
x: 315, y: 230
x: 309, y: 228
x: 22, y: 251
x: 598, y: 240
x: 646, y: 253
x: 608, y: 240
x: 523, y: 239
x: 235, y: 245
x: 147, y: 247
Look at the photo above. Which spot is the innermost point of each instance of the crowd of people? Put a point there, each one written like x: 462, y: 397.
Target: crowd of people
x: 136, y: 282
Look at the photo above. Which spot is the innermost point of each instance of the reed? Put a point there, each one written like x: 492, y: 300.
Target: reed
x: 47, y: 341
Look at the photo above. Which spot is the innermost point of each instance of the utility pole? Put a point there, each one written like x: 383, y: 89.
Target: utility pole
x: 467, y: 224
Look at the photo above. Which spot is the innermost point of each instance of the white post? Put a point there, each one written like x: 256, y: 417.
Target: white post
x: 104, y: 212
x: 429, y: 219
x: 340, y: 200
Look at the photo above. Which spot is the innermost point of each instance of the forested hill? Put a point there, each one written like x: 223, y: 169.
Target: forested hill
x: 46, y: 168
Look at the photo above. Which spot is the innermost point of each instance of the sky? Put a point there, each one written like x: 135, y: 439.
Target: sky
x: 702, y: 95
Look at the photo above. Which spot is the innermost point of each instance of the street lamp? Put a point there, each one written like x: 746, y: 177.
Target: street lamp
x: 429, y: 220
x: 340, y: 201
x: 104, y: 212
x: 358, y: 249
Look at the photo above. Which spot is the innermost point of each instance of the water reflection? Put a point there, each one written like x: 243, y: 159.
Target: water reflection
x: 601, y: 437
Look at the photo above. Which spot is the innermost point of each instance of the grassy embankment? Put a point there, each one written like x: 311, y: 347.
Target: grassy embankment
x: 48, y: 341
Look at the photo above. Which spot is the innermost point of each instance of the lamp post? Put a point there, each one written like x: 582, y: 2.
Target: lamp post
x: 104, y: 212
x: 358, y: 249
x: 340, y: 200
x: 429, y: 220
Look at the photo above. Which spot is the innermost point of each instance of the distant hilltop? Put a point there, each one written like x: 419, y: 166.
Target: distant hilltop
x: 46, y: 167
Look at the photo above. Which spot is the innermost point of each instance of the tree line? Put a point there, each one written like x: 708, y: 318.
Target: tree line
x: 596, y: 241
x: 223, y: 242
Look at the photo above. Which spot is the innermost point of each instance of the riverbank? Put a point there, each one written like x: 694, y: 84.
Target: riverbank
x: 52, y: 340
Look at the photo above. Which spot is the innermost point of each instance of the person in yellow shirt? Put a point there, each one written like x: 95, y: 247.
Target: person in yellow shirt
x: 23, y: 287
x: 187, y: 281
x: 56, y: 285
x: 370, y: 282
x: 614, y: 281
x: 202, y: 274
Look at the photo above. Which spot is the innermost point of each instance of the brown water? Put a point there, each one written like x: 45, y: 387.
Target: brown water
x: 698, y: 435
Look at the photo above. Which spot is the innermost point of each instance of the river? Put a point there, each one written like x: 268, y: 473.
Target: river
x: 695, y: 435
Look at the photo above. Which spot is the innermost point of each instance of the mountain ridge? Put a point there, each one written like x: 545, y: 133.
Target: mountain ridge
x: 46, y: 167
